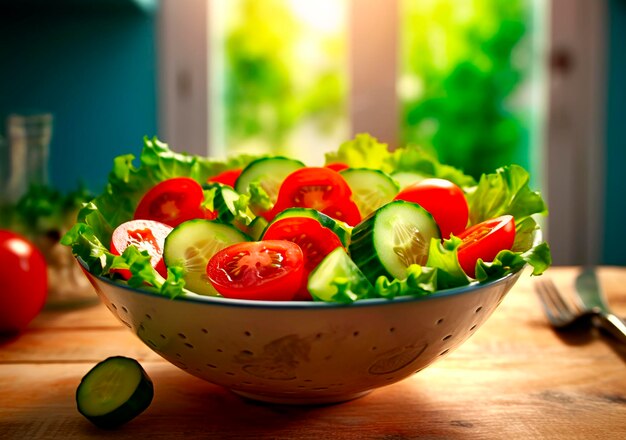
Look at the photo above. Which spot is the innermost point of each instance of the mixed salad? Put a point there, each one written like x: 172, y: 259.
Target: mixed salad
x: 371, y: 223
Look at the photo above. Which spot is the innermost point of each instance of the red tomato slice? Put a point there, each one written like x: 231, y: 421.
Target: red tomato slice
x: 319, y: 188
x: 145, y: 235
x: 172, y: 202
x: 337, y: 166
x: 315, y: 240
x: 484, y: 241
x: 443, y: 199
x: 258, y: 270
x: 227, y: 177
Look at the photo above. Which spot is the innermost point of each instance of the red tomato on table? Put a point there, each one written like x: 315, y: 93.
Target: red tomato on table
x: 315, y: 240
x: 484, y: 241
x: 320, y: 188
x: 172, y: 202
x: 145, y: 235
x: 259, y: 270
x: 24, y: 275
x: 443, y: 199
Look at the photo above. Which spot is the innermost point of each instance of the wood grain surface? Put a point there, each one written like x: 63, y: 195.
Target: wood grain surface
x: 514, y: 379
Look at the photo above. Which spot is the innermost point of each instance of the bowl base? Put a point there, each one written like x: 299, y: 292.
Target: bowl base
x: 301, y: 400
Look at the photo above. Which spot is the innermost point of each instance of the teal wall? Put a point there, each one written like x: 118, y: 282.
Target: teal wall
x: 94, y: 69
x: 615, y: 201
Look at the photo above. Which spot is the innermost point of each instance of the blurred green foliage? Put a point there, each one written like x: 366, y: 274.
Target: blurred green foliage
x: 460, y: 85
x: 269, y: 88
x: 462, y: 65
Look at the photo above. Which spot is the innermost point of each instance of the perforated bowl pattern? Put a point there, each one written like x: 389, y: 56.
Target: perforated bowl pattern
x: 303, y: 353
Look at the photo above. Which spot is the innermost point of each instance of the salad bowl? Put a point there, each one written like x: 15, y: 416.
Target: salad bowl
x: 303, y: 352
x: 364, y: 294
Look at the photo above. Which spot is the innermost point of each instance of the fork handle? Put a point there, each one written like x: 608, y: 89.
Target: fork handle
x: 613, y: 325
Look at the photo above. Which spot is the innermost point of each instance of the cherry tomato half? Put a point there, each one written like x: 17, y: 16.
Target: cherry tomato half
x: 443, y: 199
x: 145, y: 235
x: 319, y: 188
x: 24, y: 276
x: 315, y: 240
x: 227, y: 177
x: 172, y: 202
x: 337, y: 166
x: 484, y: 241
x: 258, y: 270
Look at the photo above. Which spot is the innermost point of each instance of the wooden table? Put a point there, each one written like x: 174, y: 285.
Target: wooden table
x: 514, y: 379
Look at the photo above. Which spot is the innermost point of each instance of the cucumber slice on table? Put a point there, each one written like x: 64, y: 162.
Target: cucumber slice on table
x: 390, y: 240
x: 371, y: 188
x: 114, y: 392
x: 341, y: 229
x: 269, y: 172
x: 192, y: 244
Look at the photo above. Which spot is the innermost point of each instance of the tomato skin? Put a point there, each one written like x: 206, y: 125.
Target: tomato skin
x: 337, y: 166
x: 443, y: 199
x: 145, y: 235
x: 315, y: 240
x: 172, y: 202
x: 484, y: 241
x: 258, y: 270
x: 228, y: 177
x: 319, y: 188
x: 24, y: 282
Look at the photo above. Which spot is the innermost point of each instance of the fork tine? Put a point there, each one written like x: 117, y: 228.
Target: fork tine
x: 556, y: 307
x: 558, y: 299
x: 546, y: 300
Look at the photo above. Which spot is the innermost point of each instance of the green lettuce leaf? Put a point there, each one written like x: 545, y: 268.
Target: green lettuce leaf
x: 443, y: 256
x: 506, y: 191
x: 364, y: 151
x: 420, y: 281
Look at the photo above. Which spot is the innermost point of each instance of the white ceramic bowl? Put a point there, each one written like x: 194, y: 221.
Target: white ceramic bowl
x: 303, y: 352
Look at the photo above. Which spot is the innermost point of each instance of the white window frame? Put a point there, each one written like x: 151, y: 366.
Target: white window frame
x: 571, y: 164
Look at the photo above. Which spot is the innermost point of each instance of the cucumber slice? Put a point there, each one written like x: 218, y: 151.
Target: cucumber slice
x: 371, y: 188
x: 406, y: 178
x: 257, y: 227
x: 393, y: 238
x: 114, y: 392
x: 269, y: 172
x: 341, y: 229
x: 192, y: 244
x: 338, y: 279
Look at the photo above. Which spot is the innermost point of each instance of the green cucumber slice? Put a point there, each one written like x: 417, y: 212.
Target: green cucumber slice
x: 114, y: 392
x: 406, y: 178
x: 338, y: 279
x: 192, y: 244
x: 257, y: 227
x: 269, y: 172
x: 371, y: 188
x: 391, y: 239
x: 341, y: 229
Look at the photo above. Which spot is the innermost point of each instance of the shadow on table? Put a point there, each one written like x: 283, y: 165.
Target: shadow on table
x: 584, y: 335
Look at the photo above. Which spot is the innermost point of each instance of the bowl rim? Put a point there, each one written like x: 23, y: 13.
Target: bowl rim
x: 192, y: 297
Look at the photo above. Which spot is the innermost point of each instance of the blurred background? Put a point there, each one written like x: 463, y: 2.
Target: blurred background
x: 482, y: 82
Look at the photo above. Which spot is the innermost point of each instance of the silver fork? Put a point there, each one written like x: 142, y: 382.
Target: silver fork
x: 561, y: 313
